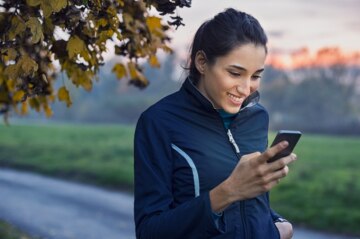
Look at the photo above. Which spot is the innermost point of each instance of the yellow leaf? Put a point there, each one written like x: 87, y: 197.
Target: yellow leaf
x: 9, y: 54
x: 127, y: 19
x: 36, y: 29
x: 63, y: 95
x: 153, y: 23
x: 87, y: 85
x: 24, y: 108
x: 167, y: 49
x: 132, y: 70
x: 33, y: 3
x: 121, y: 3
x: 35, y: 104
x: 28, y: 65
x: 18, y: 96
x: 48, y: 111
x: 12, y: 71
x: 136, y: 75
x: 119, y: 70
x: 75, y: 46
x: 4, y: 97
x: 17, y: 27
x: 102, y: 22
x: 12, y: 53
x: 47, y: 8
x: 154, y: 61
x: 57, y: 5
x: 10, y: 84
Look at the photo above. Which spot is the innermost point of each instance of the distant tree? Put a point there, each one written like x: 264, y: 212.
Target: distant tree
x: 314, y: 99
x: 35, y: 33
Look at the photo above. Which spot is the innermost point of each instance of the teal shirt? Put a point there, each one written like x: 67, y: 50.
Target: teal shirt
x: 226, y: 117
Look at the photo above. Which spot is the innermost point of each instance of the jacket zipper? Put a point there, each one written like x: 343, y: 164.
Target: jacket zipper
x: 242, y: 203
x: 232, y: 141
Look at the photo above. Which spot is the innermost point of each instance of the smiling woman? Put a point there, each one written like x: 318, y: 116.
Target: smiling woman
x: 232, y: 78
x: 201, y: 164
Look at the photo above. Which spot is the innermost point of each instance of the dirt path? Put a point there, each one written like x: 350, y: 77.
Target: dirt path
x: 55, y: 209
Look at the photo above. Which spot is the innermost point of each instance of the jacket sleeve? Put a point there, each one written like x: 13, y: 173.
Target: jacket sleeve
x: 274, y: 215
x: 155, y: 215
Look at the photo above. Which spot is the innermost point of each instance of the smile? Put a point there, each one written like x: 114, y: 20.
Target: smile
x: 235, y: 98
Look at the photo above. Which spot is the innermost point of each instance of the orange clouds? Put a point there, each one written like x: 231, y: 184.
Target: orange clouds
x: 304, y: 58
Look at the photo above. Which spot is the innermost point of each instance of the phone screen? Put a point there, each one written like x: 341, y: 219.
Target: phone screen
x: 290, y: 136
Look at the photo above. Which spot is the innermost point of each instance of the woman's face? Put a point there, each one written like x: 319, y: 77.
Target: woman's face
x: 233, y: 77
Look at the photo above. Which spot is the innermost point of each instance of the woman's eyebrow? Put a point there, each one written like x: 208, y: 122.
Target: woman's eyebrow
x: 244, y: 69
x: 239, y: 67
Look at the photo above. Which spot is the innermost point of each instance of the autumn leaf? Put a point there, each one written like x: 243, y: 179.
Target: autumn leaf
x: 136, y: 76
x: 17, y: 27
x: 63, y: 95
x: 31, y: 40
x: 24, y: 108
x: 18, y: 96
x: 48, y: 111
x: 132, y: 70
x: 33, y: 3
x: 36, y: 29
x: 153, y: 23
x: 119, y: 70
x: 47, y: 8
x: 35, y: 104
x: 127, y: 20
x: 57, y: 5
x: 75, y: 46
x: 154, y: 61
x: 12, y: 71
x: 102, y: 22
x: 28, y: 65
x: 10, y: 54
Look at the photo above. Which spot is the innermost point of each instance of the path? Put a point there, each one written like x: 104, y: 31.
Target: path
x: 57, y: 209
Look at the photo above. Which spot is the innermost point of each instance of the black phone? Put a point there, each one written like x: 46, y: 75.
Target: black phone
x: 290, y: 136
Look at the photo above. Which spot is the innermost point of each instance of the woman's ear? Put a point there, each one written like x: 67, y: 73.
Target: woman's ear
x: 200, y: 62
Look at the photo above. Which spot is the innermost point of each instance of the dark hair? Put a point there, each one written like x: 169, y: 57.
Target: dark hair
x: 221, y: 34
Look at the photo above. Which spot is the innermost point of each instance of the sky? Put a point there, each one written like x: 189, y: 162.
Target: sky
x: 291, y: 25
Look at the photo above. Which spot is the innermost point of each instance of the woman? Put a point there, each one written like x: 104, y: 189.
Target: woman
x: 201, y: 167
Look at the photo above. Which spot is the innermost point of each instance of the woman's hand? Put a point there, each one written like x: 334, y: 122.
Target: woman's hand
x: 285, y: 230
x: 252, y: 176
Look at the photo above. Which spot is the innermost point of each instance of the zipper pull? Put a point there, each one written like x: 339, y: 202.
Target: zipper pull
x: 232, y: 141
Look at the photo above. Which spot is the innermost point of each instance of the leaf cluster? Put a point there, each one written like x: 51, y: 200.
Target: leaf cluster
x: 39, y: 38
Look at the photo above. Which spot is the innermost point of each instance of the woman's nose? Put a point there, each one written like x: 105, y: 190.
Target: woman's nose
x: 244, y: 88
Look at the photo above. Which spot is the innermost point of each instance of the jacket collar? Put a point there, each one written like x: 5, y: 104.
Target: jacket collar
x: 202, y: 101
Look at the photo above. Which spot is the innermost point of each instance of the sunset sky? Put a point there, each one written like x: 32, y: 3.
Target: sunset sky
x: 291, y: 25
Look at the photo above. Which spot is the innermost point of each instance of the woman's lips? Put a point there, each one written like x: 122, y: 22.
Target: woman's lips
x: 235, y: 99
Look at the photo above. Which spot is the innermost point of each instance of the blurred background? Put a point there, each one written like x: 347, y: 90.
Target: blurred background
x: 311, y: 83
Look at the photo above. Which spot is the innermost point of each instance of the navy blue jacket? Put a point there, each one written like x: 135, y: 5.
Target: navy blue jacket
x: 182, y: 151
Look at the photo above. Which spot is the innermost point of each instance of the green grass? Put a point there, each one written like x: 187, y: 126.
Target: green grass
x: 7, y: 231
x: 96, y: 154
x: 322, y: 190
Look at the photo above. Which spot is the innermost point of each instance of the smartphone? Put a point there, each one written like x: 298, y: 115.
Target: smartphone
x: 285, y: 135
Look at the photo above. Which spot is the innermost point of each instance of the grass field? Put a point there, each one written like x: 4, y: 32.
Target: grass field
x: 95, y: 154
x: 322, y: 190
x: 9, y: 232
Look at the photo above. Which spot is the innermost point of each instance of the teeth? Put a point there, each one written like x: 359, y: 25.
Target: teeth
x: 235, y: 98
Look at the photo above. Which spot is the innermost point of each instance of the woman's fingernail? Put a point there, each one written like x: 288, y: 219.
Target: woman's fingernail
x: 284, y: 144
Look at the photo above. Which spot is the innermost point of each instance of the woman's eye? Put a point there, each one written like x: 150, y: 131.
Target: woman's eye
x: 235, y: 73
x: 256, y: 77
